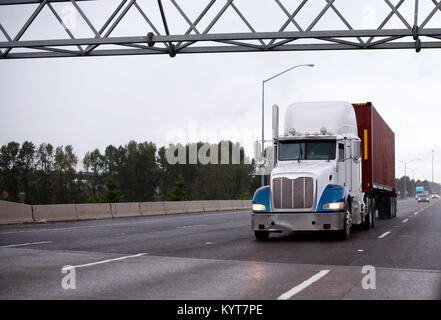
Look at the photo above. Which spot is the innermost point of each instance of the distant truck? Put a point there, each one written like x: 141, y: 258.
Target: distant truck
x: 421, y: 195
x: 334, y: 165
x: 418, y: 192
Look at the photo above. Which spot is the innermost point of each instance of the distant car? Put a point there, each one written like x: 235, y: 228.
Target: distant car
x: 423, y: 198
x: 435, y: 196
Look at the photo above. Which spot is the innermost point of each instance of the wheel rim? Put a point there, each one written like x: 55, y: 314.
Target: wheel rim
x: 347, y: 224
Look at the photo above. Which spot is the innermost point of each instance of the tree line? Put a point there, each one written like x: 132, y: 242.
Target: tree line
x: 135, y: 172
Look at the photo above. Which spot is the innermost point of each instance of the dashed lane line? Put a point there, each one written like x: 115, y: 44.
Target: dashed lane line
x: 25, y: 244
x: 384, y: 235
x: 289, y: 294
x: 104, y: 261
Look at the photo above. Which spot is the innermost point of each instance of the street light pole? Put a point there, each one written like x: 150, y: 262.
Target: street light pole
x: 405, y: 174
x: 263, y: 108
x: 432, y: 164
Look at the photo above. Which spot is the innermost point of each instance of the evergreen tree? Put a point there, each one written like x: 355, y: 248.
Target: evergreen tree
x: 112, y: 193
x: 178, y: 192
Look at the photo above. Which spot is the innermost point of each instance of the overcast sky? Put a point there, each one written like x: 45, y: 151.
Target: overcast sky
x: 94, y: 102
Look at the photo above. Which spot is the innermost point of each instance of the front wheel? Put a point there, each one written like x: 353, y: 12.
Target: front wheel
x: 369, y: 221
x: 345, y: 234
x: 261, y: 235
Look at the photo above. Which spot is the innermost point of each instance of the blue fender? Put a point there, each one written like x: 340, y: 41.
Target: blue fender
x: 332, y: 193
x: 263, y: 196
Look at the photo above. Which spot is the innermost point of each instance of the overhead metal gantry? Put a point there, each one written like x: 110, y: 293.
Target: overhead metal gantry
x: 161, y: 37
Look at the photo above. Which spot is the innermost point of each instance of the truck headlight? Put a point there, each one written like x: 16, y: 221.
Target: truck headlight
x: 334, y: 206
x: 259, y: 207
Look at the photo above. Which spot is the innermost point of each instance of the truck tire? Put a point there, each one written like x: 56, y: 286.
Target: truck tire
x: 261, y: 235
x: 385, y: 209
x: 345, y: 234
x: 380, y: 205
x: 395, y: 206
x: 369, y: 221
x: 388, y: 208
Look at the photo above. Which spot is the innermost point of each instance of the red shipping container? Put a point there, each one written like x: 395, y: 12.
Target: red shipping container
x: 377, y: 149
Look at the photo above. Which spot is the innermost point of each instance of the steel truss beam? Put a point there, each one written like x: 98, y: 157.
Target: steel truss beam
x: 161, y: 38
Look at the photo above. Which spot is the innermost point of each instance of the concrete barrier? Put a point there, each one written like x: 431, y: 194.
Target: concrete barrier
x: 152, y: 208
x: 237, y: 204
x: 13, y: 212
x: 54, y: 212
x: 195, y: 206
x: 172, y: 207
x: 91, y: 211
x: 211, y: 205
x: 125, y: 209
x: 247, y: 205
x: 225, y: 205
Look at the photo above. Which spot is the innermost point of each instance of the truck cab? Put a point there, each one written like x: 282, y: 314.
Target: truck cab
x: 316, y: 178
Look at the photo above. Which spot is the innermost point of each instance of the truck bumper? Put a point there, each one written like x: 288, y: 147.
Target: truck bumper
x: 278, y: 222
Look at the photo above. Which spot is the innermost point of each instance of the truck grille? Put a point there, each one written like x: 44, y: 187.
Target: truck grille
x: 293, y: 193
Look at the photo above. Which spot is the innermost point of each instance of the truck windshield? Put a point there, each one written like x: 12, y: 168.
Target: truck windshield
x: 306, y: 150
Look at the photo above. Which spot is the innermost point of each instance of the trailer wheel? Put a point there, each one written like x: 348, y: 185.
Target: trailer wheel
x: 395, y: 206
x: 385, y: 210
x: 261, y: 235
x: 388, y: 208
x: 345, y: 234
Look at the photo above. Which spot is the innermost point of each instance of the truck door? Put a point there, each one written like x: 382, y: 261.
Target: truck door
x: 341, y: 167
x: 356, y: 166
x: 348, y: 164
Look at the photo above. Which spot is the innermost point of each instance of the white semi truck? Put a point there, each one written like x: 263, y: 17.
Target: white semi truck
x: 332, y: 168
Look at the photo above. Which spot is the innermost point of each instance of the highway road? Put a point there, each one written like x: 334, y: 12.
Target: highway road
x: 215, y: 256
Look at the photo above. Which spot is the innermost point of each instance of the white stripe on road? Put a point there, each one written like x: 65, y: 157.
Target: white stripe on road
x: 193, y: 226
x: 405, y: 220
x: 289, y: 294
x: 25, y: 244
x: 105, y: 261
x: 383, y: 235
x: 415, y: 213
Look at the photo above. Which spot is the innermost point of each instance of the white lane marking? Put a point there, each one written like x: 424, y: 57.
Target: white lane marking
x: 25, y: 244
x: 405, y: 220
x: 415, y: 213
x: 208, y: 242
x: 360, y: 250
x: 383, y: 235
x: 108, y: 260
x: 192, y: 226
x: 170, y: 217
x: 289, y: 294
